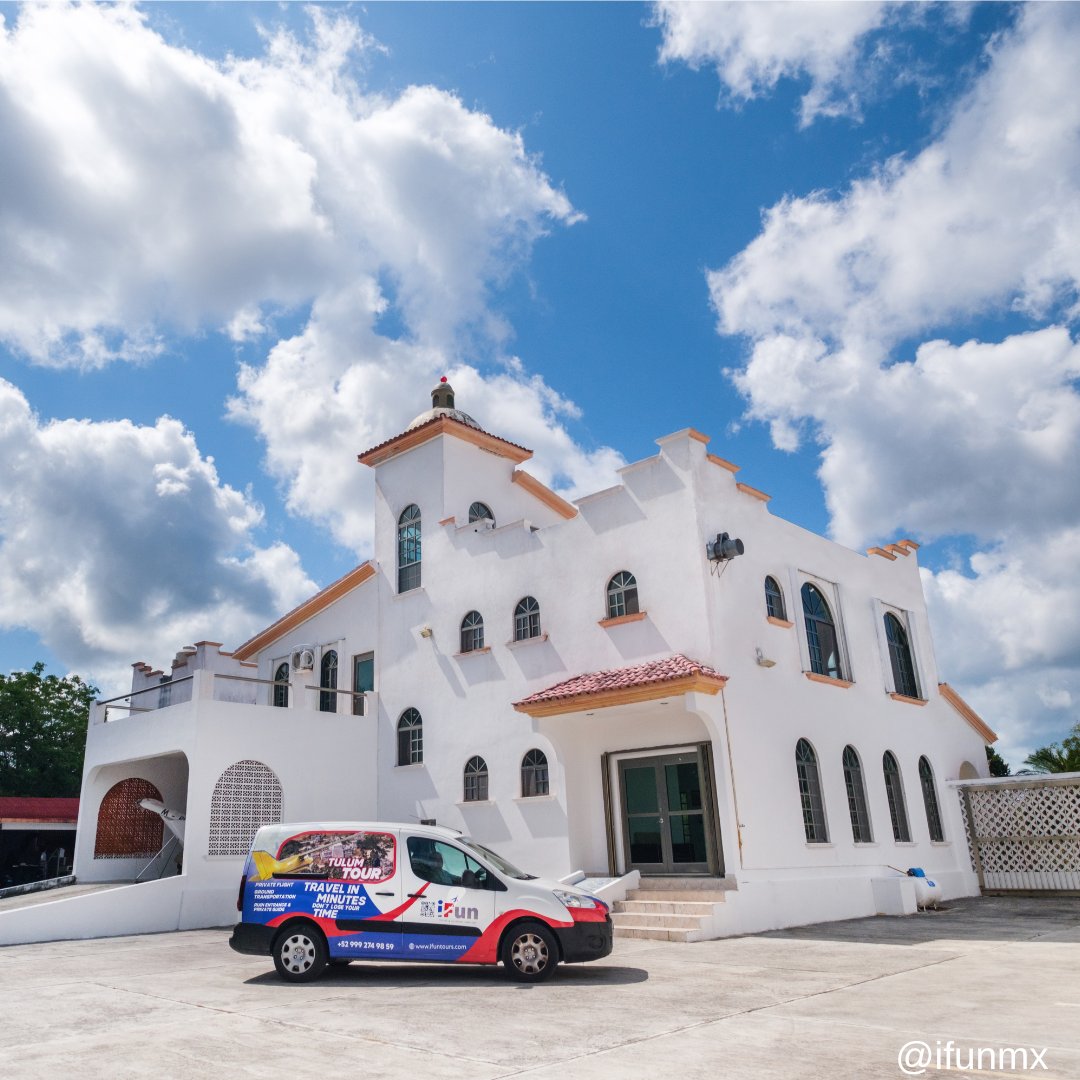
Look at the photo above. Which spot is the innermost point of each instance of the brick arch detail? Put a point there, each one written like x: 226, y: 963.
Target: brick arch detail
x: 124, y: 829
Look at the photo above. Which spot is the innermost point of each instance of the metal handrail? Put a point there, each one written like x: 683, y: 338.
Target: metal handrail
x: 146, y: 690
x: 245, y: 678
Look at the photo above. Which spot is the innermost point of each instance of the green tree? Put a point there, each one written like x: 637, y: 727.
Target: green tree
x: 42, y: 732
x: 998, y: 765
x: 1057, y: 757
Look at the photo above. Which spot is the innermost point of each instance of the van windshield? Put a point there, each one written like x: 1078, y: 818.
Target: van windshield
x: 500, y: 864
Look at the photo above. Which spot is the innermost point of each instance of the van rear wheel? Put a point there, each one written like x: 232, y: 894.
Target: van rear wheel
x: 530, y: 952
x: 300, y: 953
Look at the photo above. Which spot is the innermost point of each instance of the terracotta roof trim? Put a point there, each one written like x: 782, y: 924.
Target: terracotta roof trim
x: 655, y: 679
x: 311, y: 606
x: 443, y: 425
x: 968, y: 713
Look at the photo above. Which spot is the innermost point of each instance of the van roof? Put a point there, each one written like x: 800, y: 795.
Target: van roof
x: 364, y: 826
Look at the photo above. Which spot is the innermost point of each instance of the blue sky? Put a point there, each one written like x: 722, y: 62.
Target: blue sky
x: 840, y: 239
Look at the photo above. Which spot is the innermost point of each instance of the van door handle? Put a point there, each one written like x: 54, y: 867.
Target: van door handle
x: 384, y: 894
x: 413, y: 895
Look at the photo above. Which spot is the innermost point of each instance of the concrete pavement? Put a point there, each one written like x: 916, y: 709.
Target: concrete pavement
x: 835, y: 1000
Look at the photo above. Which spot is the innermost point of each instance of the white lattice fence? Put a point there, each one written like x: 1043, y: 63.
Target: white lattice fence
x: 1024, y: 835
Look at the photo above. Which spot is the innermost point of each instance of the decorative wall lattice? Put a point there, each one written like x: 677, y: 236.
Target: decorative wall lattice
x: 124, y: 829
x: 246, y: 797
x: 1024, y: 835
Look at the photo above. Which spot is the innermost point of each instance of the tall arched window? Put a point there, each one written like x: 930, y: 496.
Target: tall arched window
x: 894, y: 789
x: 408, y: 546
x: 526, y: 619
x: 929, y: 794
x: 328, y: 682
x: 622, y: 597
x: 410, y: 738
x: 813, y: 807
x: 774, y: 600
x: 281, y: 686
x: 246, y: 797
x: 903, y: 670
x: 472, y: 632
x: 861, y: 832
x: 821, y: 634
x: 479, y: 511
x: 476, y: 780
x: 534, y: 774
x: 126, y: 830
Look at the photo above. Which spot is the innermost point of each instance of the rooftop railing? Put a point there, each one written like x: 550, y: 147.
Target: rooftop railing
x: 218, y: 686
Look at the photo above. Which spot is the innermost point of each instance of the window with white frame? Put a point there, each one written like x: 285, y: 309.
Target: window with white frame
x: 410, y: 738
x: 930, y: 801
x: 622, y: 595
x: 526, y: 619
x: 472, y: 632
x: 774, y: 600
x: 900, y: 657
x: 409, y: 549
x: 476, y: 780
x: 861, y: 832
x: 822, y: 635
x: 894, y: 791
x: 281, y: 685
x: 813, y: 805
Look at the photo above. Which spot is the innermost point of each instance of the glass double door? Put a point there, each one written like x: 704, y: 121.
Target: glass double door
x: 664, y: 810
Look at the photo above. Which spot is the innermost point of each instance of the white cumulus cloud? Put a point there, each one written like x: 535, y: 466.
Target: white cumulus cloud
x: 970, y: 439
x: 116, y: 537
x: 152, y: 194
x: 753, y: 46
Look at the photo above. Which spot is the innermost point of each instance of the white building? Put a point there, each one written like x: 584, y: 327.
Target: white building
x: 608, y: 686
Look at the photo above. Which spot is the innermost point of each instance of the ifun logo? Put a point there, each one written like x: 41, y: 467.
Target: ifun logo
x: 449, y: 909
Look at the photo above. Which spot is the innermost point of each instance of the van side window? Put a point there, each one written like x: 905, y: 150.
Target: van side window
x: 443, y: 864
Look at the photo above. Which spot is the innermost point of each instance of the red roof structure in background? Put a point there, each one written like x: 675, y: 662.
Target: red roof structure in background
x: 655, y: 679
x: 29, y: 808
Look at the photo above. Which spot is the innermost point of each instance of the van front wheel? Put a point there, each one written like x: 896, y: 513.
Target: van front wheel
x: 530, y: 952
x: 300, y: 953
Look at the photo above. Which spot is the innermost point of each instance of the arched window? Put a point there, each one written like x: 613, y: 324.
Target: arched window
x: 410, y: 738
x: 526, y: 619
x: 894, y: 789
x: 476, y: 780
x: 126, y: 830
x: 929, y: 795
x: 821, y: 634
x: 281, y: 687
x: 534, y: 774
x: 328, y: 682
x: 861, y: 832
x: 813, y: 808
x: 774, y: 600
x: 246, y: 797
x: 479, y: 511
x: 472, y: 632
x: 408, y: 547
x: 903, y: 670
x: 622, y: 598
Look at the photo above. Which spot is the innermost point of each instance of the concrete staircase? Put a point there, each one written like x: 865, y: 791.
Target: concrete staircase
x: 670, y: 908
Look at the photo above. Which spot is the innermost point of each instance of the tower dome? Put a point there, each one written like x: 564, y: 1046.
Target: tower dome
x: 442, y: 404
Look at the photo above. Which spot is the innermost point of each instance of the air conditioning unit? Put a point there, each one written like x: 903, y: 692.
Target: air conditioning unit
x: 303, y: 658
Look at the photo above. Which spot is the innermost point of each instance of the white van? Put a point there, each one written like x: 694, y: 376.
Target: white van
x: 324, y: 893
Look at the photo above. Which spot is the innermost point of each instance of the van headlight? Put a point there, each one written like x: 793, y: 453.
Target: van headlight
x: 573, y: 899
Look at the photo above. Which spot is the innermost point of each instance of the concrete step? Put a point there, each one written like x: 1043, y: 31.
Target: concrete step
x: 668, y: 907
x: 679, y: 896
x: 663, y: 922
x: 655, y: 933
